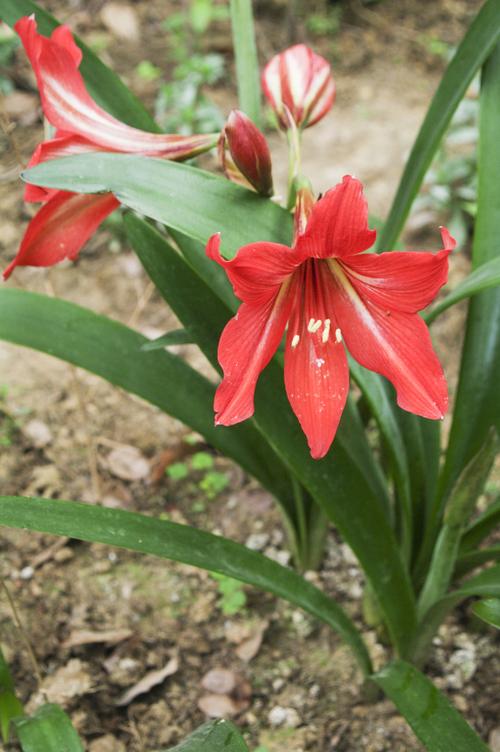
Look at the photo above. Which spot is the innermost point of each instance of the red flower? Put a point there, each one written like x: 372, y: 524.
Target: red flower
x: 300, y: 81
x: 329, y: 293
x: 67, y: 220
x: 72, y: 111
x: 249, y: 160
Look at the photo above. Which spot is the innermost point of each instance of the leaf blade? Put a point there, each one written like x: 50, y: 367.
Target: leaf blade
x: 48, y: 729
x: 245, y: 51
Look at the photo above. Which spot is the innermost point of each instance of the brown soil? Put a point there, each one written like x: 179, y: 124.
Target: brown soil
x: 385, y: 75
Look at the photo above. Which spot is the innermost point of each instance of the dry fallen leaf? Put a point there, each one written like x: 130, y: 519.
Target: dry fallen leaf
x: 45, y: 480
x: 72, y: 680
x: 249, y: 648
x: 150, y: 680
x: 128, y: 463
x: 220, y: 681
x: 88, y: 637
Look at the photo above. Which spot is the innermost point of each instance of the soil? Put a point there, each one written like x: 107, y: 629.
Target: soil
x: 300, y: 689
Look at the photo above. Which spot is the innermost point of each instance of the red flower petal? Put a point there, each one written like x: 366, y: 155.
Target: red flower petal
x: 338, y: 225
x: 258, y: 269
x: 406, y: 281
x: 316, y: 370
x: 61, y: 227
x: 394, y: 344
x: 69, y: 107
x: 246, y: 346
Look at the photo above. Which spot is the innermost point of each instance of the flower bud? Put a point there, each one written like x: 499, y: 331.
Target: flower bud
x: 301, y: 81
x: 249, y: 158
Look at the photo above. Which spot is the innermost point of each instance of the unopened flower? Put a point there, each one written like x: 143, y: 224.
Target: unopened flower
x: 248, y: 160
x: 332, y: 297
x: 301, y: 82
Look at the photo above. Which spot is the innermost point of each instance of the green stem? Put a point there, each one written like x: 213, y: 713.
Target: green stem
x: 294, y: 162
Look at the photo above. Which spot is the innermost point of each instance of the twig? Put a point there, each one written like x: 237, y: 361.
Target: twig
x: 22, y: 632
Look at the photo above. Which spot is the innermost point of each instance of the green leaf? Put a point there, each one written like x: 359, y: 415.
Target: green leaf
x: 485, y: 276
x: 189, y: 200
x: 434, y: 720
x: 112, y: 351
x: 481, y: 527
x: 48, y: 729
x: 10, y: 706
x: 245, y: 52
x: 477, y: 406
x: 468, y: 561
x: 214, y: 736
x: 102, y: 83
x: 489, y: 611
x: 175, y: 337
x: 470, y: 55
x: 182, y: 543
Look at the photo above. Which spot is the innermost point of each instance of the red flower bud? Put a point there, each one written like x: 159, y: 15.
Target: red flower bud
x: 301, y: 81
x: 249, y: 156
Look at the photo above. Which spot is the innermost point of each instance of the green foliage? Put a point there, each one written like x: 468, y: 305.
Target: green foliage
x: 8, y: 45
x: 10, y: 706
x: 213, y: 483
x: 214, y: 736
x: 326, y: 23
x: 232, y: 596
x: 177, y: 471
x: 489, y: 611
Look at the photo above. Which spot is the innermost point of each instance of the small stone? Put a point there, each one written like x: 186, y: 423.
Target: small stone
x: 38, y: 433
x: 220, y: 681
x: 26, y: 573
x: 287, y: 717
x: 64, y: 554
x: 121, y: 20
x: 217, y: 706
x: 107, y: 743
x: 494, y: 739
x: 257, y: 541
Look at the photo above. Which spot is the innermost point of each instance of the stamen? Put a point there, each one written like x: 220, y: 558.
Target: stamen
x: 310, y: 325
x: 295, y: 340
x: 338, y: 335
x: 326, y: 331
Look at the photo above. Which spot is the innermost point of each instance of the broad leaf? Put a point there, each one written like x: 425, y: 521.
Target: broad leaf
x: 245, y: 53
x: 104, y: 85
x: 489, y: 611
x: 470, y: 55
x: 214, y: 736
x: 49, y: 730
x: 189, y: 200
x: 434, y: 720
x: 484, y: 277
x: 182, y: 543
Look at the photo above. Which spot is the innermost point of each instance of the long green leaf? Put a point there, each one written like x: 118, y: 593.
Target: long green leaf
x: 481, y: 527
x: 470, y: 55
x: 434, y: 720
x: 489, y: 611
x: 10, y: 706
x: 48, y: 730
x: 214, y: 736
x: 175, y: 337
x: 477, y: 406
x: 484, y: 277
x: 245, y: 52
x: 189, y: 200
x: 113, y: 351
x: 182, y: 543
x: 103, y: 84
x: 472, y: 559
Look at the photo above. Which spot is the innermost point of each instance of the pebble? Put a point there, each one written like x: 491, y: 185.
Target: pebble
x: 287, y: 717
x: 494, y: 739
x: 26, y: 573
x: 257, y: 541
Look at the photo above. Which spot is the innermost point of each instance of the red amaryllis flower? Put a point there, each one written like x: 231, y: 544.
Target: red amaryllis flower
x: 61, y: 227
x: 332, y: 297
x: 300, y: 81
x: 249, y: 160
x: 70, y: 108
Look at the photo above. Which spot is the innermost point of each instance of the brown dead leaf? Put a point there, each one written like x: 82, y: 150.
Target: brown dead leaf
x: 166, y: 458
x: 88, y: 637
x: 150, y: 680
x: 220, y: 681
x: 249, y: 648
x: 218, y: 706
x: 72, y: 680
x: 128, y: 463
x: 44, y: 480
